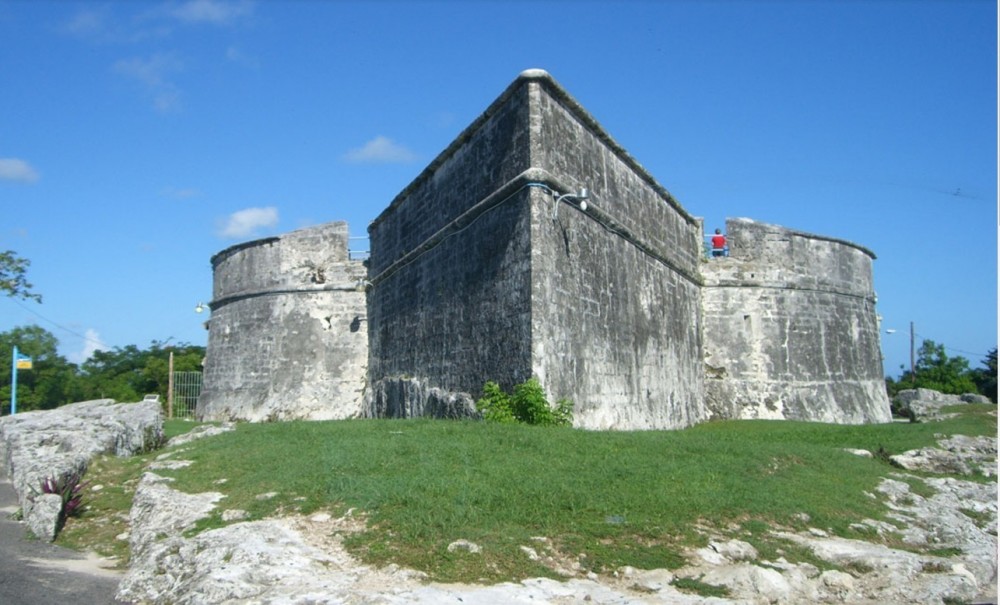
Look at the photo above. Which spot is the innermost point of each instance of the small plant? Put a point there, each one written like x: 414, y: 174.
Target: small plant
x: 527, y: 405
x: 70, y: 489
x: 696, y: 586
x: 885, y: 456
x: 495, y: 405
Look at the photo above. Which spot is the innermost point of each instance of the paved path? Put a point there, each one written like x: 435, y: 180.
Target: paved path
x: 33, y: 572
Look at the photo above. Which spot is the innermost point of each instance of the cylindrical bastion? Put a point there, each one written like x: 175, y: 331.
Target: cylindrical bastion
x: 288, y: 336
x: 790, y: 328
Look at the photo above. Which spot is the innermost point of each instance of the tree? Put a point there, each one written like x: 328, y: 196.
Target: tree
x: 51, y: 382
x: 129, y: 373
x: 936, y: 370
x: 12, y: 277
x: 123, y: 374
x: 986, y: 377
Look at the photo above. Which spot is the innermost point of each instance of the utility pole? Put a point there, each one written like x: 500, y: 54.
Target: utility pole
x: 17, y: 362
x: 13, y: 381
x: 170, y: 385
x: 913, y: 375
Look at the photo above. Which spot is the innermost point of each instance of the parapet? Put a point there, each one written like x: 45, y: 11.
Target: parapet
x: 766, y: 255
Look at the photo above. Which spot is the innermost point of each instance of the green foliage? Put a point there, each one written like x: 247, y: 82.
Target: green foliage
x: 123, y: 373
x: 13, y: 281
x: 698, y: 587
x: 129, y: 373
x: 70, y: 488
x: 528, y: 405
x: 934, y: 369
x: 986, y: 377
x: 495, y: 405
x: 51, y: 382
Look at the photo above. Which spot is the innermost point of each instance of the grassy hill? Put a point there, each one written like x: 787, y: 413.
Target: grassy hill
x: 605, y: 499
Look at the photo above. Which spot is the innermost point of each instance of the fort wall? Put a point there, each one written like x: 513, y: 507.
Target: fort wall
x: 287, y: 338
x: 790, y: 328
x: 493, y: 264
x: 449, y: 305
x: 478, y: 274
x: 615, y: 286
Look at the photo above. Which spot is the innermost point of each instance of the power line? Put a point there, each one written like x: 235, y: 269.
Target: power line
x: 60, y: 326
x: 947, y: 348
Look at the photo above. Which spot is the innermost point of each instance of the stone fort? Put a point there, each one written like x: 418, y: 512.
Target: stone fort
x: 535, y: 245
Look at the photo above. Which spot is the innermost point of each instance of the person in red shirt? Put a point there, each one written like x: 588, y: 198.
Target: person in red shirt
x: 718, y: 243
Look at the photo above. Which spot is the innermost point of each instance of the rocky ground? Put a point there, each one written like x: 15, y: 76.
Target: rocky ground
x: 54, y: 446
x: 301, y: 560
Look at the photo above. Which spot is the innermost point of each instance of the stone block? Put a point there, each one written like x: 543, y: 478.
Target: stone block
x: 43, y: 516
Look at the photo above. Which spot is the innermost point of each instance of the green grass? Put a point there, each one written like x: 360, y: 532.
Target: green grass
x: 604, y: 499
x: 175, y: 427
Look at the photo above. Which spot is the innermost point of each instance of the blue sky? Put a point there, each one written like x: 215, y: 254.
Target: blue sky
x: 137, y: 139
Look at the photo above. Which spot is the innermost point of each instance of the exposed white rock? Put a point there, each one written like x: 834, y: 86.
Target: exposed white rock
x: 857, y: 452
x: 198, y: 432
x: 43, y: 516
x: 465, y: 546
x: 302, y: 561
x: 927, y: 404
x: 58, y: 444
x: 958, y: 455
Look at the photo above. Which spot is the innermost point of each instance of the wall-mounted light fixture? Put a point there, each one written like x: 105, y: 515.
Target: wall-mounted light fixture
x: 581, y: 196
x: 199, y: 308
x: 362, y: 284
x: 356, y: 323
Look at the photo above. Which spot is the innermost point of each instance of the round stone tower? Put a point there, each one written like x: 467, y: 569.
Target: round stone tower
x: 288, y: 336
x: 790, y: 328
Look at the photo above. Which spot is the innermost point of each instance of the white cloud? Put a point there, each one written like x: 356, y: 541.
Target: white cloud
x: 87, y: 23
x: 153, y: 74
x: 102, y: 25
x: 381, y: 150
x: 246, y: 223
x: 180, y: 193
x: 237, y: 56
x: 13, y: 169
x: 213, y: 12
x: 92, y: 342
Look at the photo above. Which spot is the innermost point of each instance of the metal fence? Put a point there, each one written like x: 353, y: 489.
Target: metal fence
x: 187, y: 387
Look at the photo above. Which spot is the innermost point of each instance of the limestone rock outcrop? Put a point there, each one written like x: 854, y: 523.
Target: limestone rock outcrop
x: 58, y: 444
x: 927, y: 404
x: 297, y: 560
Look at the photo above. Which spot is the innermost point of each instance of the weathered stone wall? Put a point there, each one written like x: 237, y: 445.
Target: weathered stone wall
x: 288, y: 336
x: 790, y: 329
x: 480, y: 271
x: 615, y: 287
x: 449, y: 305
x: 478, y: 276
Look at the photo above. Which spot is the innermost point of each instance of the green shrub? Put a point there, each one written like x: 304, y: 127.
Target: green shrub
x: 495, y: 405
x: 528, y: 405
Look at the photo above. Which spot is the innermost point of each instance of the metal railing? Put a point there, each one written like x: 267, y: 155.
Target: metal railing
x: 355, y: 254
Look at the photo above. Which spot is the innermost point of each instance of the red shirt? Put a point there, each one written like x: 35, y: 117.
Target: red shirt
x: 718, y: 241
